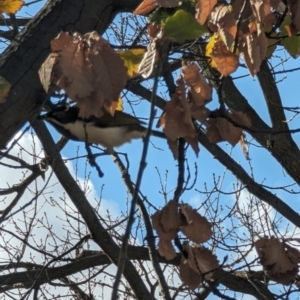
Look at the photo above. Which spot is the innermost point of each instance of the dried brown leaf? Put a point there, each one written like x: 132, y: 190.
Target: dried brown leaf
x: 273, y: 256
x: 228, y: 131
x: 268, y: 13
x: 250, y: 53
x: 226, y: 61
x: 195, y: 227
x: 188, y: 276
x: 258, y: 11
x: 212, y: 132
x: 166, y: 249
x: 173, y: 146
x: 46, y: 73
x: 284, y: 278
x: 237, y: 6
x: 200, y: 113
x: 75, y: 74
x: 228, y: 30
x: 193, y: 142
x: 220, y: 128
x: 145, y: 7
x: 244, y: 146
x: 202, y: 260
x: 223, y: 21
x: 293, y: 254
x: 89, y: 70
x: 200, y: 90
x: 217, y: 14
x: 60, y: 41
x: 162, y: 234
x: 203, y: 9
x: 90, y: 105
x: 170, y: 218
x: 176, y: 119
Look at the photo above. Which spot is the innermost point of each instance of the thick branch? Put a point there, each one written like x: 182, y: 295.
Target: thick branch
x: 284, y: 150
x: 252, y: 186
x: 272, y: 97
x: 20, y: 63
x: 241, y: 281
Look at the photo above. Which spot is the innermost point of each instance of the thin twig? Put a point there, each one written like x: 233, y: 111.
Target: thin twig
x: 123, y: 252
x: 150, y: 237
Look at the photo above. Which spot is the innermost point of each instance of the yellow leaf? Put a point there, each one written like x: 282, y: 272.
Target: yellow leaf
x: 120, y: 104
x: 209, y: 49
x: 132, y: 59
x: 4, y: 89
x: 10, y: 6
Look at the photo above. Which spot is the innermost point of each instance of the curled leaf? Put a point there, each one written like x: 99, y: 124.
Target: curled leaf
x: 203, y: 9
x: 200, y: 90
x: 88, y: 69
x: 188, y: 276
x: 170, y: 219
x: 278, y: 259
x: 202, y: 260
x: 177, y: 121
x: 195, y: 227
x: 145, y: 7
x: 162, y: 234
x: 166, y: 249
x: 226, y: 61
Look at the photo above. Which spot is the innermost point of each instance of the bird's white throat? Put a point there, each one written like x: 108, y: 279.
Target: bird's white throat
x: 108, y: 137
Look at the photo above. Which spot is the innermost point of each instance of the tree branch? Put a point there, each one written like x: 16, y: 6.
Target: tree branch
x: 272, y: 98
x: 285, y: 151
x: 98, y: 232
x: 20, y: 62
x: 252, y: 186
x: 238, y: 281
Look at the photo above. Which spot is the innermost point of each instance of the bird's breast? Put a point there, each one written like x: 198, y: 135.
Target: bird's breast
x: 109, y: 136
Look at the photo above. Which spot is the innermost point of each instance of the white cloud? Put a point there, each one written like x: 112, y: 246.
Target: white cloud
x: 47, y: 212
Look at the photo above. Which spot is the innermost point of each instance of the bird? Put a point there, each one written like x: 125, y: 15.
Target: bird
x: 108, y: 131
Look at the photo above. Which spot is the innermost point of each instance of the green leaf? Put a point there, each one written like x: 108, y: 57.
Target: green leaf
x: 291, y: 44
x: 182, y: 26
x: 160, y: 14
x: 132, y: 59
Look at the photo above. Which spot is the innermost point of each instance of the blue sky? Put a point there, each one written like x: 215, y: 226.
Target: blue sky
x: 160, y: 160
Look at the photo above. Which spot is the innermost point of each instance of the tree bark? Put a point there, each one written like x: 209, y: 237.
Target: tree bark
x: 20, y: 62
x: 239, y: 281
